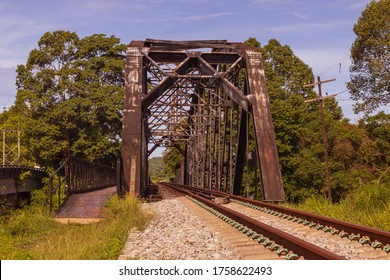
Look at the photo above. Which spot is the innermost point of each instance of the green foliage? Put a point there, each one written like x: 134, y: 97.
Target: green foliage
x: 72, y: 89
x: 378, y: 129
x: 369, y: 205
x: 370, y: 52
x: 172, y: 158
x: 156, y: 169
x: 14, y: 121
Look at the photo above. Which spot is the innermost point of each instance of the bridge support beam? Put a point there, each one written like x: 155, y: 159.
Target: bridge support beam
x: 264, y: 132
x: 132, y: 139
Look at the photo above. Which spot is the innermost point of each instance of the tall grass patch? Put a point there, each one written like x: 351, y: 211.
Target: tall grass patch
x: 32, y: 233
x: 368, y: 205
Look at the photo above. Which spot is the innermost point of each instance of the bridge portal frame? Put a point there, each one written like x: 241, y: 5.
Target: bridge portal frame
x: 155, y: 68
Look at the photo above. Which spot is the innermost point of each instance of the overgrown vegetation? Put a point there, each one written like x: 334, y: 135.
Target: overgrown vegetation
x: 368, y: 205
x: 32, y: 233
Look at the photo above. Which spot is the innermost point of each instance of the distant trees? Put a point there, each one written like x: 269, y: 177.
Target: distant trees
x: 156, y: 169
x: 370, y: 70
x: 72, y: 92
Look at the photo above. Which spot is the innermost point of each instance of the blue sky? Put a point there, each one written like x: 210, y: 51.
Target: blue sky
x: 319, y: 32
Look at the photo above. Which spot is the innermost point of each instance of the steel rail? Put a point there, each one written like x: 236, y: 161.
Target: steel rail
x: 298, y: 246
x: 374, y: 234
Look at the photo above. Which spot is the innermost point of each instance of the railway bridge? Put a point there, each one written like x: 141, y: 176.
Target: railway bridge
x: 208, y: 100
x: 205, y: 98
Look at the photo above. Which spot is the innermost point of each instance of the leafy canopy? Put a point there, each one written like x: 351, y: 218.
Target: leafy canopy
x: 73, y: 90
x: 370, y: 70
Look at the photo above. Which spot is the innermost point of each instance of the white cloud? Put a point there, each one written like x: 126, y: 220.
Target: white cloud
x: 7, y: 87
x: 312, y: 26
x: 103, y: 6
x: 17, y: 37
x: 357, y: 5
x: 199, y: 17
x: 299, y: 27
x: 300, y: 15
x: 348, y: 4
x: 272, y: 2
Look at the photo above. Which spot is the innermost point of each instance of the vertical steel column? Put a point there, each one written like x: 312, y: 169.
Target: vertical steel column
x: 231, y: 149
x: 264, y: 132
x: 132, y: 146
x: 241, y: 151
x: 224, y: 160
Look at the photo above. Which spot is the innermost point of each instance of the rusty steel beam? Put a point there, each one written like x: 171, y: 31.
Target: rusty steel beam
x: 167, y: 57
x: 264, y: 132
x: 177, y: 95
x: 241, y: 149
x: 220, y: 58
x: 168, y: 82
x: 132, y: 118
x: 197, y: 44
x: 227, y: 86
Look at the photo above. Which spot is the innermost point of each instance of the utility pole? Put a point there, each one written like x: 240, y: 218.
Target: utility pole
x: 324, y: 137
x: 4, y: 146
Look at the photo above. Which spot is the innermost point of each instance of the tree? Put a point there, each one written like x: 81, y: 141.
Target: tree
x: 15, y: 120
x: 171, y: 158
x: 73, y: 89
x: 156, y: 169
x: 378, y: 129
x: 370, y: 53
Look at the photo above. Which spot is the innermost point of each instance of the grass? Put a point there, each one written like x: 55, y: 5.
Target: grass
x: 369, y: 205
x: 32, y: 233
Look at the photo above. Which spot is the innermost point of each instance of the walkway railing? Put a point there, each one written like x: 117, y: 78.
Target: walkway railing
x: 57, y: 185
x: 77, y: 176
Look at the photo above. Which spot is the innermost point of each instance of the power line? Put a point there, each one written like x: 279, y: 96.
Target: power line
x: 341, y: 92
x: 336, y: 64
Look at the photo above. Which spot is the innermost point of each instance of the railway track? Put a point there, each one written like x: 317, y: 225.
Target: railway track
x: 290, y: 234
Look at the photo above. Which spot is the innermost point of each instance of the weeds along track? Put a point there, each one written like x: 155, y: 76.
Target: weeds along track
x: 288, y: 233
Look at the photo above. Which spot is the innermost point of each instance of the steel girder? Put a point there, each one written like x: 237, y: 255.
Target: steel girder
x: 204, y: 98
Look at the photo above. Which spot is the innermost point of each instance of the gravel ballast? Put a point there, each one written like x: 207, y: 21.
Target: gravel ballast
x: 175, y: 233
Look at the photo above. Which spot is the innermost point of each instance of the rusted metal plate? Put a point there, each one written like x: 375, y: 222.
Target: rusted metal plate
x: 86, y: 205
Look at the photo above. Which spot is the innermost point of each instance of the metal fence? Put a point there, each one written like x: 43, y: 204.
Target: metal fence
x: 77, y: 176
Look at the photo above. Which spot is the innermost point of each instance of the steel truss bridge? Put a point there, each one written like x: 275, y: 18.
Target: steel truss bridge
x: 207, y: 99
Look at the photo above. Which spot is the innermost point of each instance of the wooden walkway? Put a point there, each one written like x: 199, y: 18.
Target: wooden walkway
x: 85, y: 207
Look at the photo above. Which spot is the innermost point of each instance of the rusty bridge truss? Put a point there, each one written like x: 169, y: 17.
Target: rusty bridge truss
x: 205, y: 98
